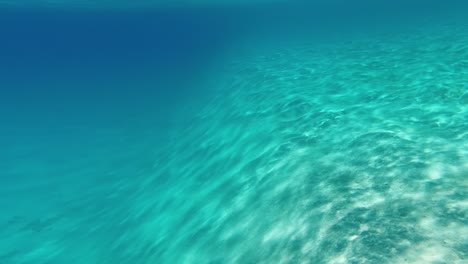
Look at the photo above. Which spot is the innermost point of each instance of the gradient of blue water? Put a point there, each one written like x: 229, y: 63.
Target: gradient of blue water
x: 94, y: 85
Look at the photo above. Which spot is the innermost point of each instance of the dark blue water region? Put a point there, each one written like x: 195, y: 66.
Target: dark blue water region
x: 90, y: 44
x: 39, y: 41
x: 70, y: 63
x: 83, y: 53
x: 74, y: 37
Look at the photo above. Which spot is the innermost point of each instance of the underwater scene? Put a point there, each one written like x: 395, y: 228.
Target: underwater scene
x: 225, y: 132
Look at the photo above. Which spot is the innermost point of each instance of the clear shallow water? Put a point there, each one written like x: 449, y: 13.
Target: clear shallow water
x: 340, y: 147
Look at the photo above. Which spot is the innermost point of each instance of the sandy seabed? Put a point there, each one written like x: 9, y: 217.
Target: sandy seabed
x: 346, y: 152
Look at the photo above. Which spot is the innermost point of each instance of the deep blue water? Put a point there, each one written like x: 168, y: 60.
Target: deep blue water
x: 325, y: 132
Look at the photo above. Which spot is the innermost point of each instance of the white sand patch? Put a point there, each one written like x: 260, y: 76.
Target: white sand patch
x: 463, y: 204
x: 340, y: 259
x: 326, y: 207
x: 285, y: 230
x: 417, y: 196
x: 369, y: 200
x: 429, y: 252
x: 435, y: 171
x: 308, y: 247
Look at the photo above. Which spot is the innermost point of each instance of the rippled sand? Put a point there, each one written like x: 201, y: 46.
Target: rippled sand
x: 346, y: 152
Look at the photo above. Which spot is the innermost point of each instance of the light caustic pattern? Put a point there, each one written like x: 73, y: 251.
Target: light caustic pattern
x: 353, y: 152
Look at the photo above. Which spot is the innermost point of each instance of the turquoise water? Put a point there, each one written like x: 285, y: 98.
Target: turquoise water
x: 228, y: 135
